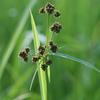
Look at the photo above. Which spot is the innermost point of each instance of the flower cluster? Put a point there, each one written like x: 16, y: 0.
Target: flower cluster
x: 43, y: 55
x: 43, y: 51
x: 53, y: 47
x: 51, y: 10
x: 56, y: 27
x: 48, y: 8
x: 24, y: 54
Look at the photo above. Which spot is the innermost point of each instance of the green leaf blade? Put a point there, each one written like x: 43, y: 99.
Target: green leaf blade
x: 41, y: 73
x: 69, y: 57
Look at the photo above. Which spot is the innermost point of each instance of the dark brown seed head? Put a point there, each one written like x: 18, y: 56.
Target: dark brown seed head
x: 44, y: 67
x: 23, y: 55
x: 27, y: 50
x: 57, y: 13
x: 41, y: 50
x: 42, y: 10
x: 56, y: 27
x: 49, y: 62
x: 54, y: 48
x: 50, y: 8
x: 35, y: 59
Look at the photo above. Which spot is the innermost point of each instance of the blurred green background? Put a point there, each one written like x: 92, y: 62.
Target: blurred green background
x: 80, y: 37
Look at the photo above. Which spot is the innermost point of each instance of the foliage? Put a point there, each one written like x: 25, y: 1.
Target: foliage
x: 80, y: 37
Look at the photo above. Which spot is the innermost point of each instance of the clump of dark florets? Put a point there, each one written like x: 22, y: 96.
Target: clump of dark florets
x: 41, y: 50
x: 44, y: 66
x: 57, y: 13
x: 35, y: 58
x: 50, y: 8
x: 53, y: 47
x: 56, y: 27
x: 27, y: 50
x: 24, y: 54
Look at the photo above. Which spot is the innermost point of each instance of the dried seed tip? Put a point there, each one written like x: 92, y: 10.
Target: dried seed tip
x: 35, y: 59
x: 57, y: 13
x: 44, y: 67
x: 27, y: 50
x: 54, y: 48
x: 41, y: 50
x: 42, y: 10
x: 49, y: 62
x: 56, y: 27
x: 50, y: 8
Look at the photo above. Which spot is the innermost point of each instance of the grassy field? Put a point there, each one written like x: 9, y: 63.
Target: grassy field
x: 71, y: 78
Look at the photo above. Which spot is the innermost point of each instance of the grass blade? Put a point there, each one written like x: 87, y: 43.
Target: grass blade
x: 34, y: 75
x: 87, y: 64
x: 15, y: 37
x: 41, y: 73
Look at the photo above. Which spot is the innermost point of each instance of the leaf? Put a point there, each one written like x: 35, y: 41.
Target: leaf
x: 41, y: 73
x: 34, y: 75
x: 87, y: 64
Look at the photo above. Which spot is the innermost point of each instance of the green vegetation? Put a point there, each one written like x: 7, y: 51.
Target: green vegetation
x: 71, y: 78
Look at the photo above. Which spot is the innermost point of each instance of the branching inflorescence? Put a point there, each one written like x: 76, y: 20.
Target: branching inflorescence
x: 43, y: 51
